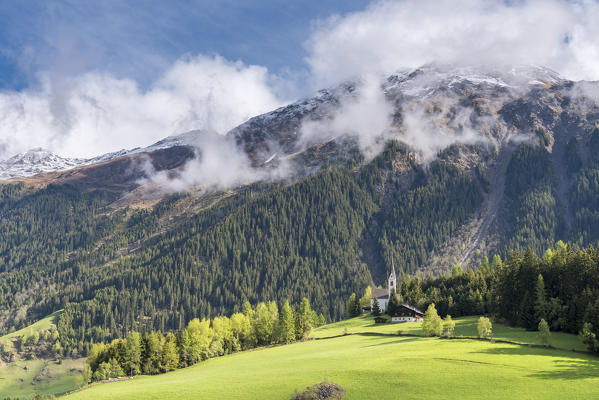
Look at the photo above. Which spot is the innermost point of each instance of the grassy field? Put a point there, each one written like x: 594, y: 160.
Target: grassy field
x: 464, y: 327
x: 372, y: 363
x: 42, y: 324
x: 23, y: 378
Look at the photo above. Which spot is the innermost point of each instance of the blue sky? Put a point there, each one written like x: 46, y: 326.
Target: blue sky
x: 140, y: 39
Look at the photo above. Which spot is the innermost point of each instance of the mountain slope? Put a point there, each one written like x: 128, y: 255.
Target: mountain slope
x: 474, y: 163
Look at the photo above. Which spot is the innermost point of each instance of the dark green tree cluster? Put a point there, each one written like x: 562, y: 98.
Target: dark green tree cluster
x: 533, y: 216
x: 156, y: 352
x: 439, y: 201
x: 561, y: 289
x: 458, y: 294
x: 583, y: 192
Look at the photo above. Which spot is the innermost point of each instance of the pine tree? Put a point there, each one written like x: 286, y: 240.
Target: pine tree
x: 541, y: 305
x: 393, y: 304
x: 304, y: 319
x: 351, y: 306
x: 287, y: 324
x: 376, y: 308
x: 185, y: 348
x: 496, y: 262
x: 544, y: 333
x: 170, y: 355
x: 133, y: 353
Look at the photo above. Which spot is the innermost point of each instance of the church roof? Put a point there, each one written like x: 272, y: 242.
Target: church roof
x: 380, y: 293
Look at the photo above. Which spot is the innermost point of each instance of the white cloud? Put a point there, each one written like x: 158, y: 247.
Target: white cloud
x: 391, y: 35
x: 429, y: 134
x: 365, y: 117
x: 96, y: 113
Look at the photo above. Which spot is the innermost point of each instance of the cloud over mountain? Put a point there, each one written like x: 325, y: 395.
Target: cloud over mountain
x: 94, y: 113
x: 391, y: 35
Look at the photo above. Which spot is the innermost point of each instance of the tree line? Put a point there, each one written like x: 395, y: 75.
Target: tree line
x: 559, y: 289
x: 157, y: 352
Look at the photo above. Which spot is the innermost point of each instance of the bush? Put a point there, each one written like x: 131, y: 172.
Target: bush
x: 484, y: 328
x: 432, y: 324
x: 448, y: 326
x: 320, y: 391
x: 589, y: 338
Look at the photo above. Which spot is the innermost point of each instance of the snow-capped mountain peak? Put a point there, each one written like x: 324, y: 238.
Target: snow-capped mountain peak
x: 39, y: 160
x: 35, y: 161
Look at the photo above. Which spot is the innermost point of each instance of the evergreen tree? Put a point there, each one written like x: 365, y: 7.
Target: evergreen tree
x: 496, y: 262
x: 321, y: 320
x: 544, y: 333
x: 376, y: 309
x: 185, y: 351
x: 457, y: 270
x: 170, y: 354
x: 589, y: 338
x: 287, y: 324
x: 541, y: 306
x: 57, y: 348
x: 152, y: 350
x: 393, y: 304
x: 133, y: 354
x: 352, y: 306
x: 304, y: 319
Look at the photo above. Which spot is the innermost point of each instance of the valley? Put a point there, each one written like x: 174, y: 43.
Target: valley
x: 348, y: 199
x: 372, y: 361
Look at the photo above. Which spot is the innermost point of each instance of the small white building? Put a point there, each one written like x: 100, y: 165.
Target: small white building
x: 407, y: 313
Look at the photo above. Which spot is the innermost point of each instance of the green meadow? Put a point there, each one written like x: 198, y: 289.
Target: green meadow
x: 25, y: 377
x: 372, y: 361
x: 41, y: 325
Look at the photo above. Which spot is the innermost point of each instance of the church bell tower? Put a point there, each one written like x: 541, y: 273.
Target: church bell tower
x: 392, y: 282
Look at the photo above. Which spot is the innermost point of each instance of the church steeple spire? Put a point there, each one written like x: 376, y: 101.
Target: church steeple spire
x: 392, y: 279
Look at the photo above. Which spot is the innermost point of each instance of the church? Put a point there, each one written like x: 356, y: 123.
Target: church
x: 383, y: 295
x: 405, y: 312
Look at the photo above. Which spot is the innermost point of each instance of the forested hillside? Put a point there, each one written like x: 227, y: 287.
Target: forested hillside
x: 329, y: 230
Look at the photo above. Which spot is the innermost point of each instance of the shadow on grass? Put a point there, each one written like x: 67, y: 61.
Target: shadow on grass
x: 399, y: 340
x: 572, y: 368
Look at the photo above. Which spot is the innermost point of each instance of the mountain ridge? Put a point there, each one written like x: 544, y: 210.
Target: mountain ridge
x: 501, y: 169
x: 417, y: 83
